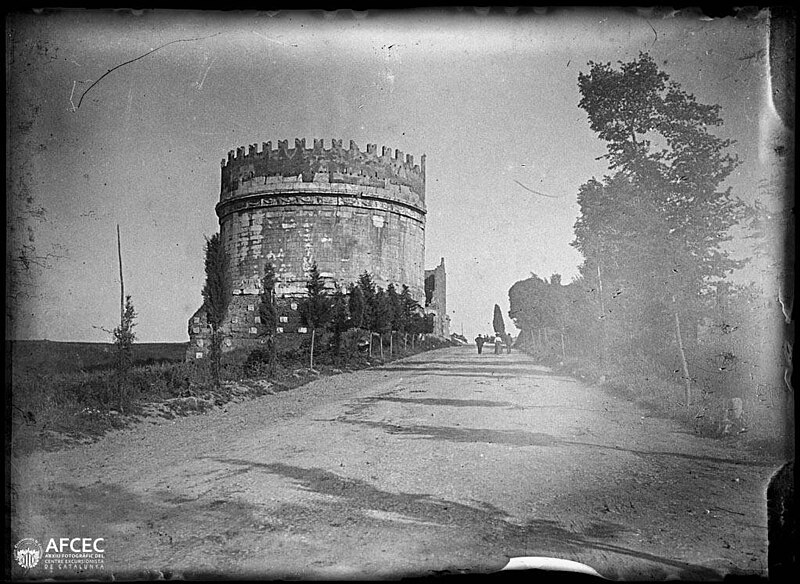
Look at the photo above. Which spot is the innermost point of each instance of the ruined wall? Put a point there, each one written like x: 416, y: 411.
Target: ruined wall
x: 347, y: 210
x: 436, y: 299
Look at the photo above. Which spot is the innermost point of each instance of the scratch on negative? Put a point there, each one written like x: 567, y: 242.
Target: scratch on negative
x: 535, y: 192
x: 274, y: 40
x: 71, y: 94
x: 142, y: 57
x: 654, y: 32
x: 203, y: 80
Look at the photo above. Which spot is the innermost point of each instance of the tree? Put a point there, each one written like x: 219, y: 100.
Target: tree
x: 652, y: 233
x: 340, y: 321
x: 536, y: 305
x: 421, y: 324
x: 368, y: 291
x: 395, y: 309
x: 123, y: 343
x: 408, y: 308
x: 268, y: 315
x: 216, y: 297
x: 315, y: 309
x: 382, y: 315
x: 356, y: 306
x: 123, y: 334
x: 527, y: 301
x: 497, y: 322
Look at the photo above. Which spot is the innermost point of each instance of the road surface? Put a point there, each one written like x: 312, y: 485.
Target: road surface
x: 445, y: 461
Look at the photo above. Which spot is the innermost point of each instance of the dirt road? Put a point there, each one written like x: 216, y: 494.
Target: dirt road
x: 448, y: 460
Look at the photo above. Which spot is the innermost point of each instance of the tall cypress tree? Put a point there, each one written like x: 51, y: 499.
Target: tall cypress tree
x: 368, y: 291
x: 497, y: 321
x: 268, y: 314
x: 216, y: 297
x: 356, y: 306
x: 339, y: 322
x: 315, y: 309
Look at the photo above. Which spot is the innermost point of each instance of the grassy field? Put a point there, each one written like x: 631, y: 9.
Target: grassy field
x: 54, y: 357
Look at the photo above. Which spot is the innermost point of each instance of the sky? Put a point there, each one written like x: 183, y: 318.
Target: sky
x: 121, y: 117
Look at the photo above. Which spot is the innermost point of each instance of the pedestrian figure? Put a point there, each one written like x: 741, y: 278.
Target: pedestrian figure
x: 479, y: 340
x: 498, y: 345
x: 508, y: 343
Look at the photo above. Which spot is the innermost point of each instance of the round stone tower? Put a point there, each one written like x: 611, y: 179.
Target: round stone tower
x: 347, y: 210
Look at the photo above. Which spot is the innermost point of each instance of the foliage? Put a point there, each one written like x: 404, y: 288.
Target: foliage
x: 394, y: 307
x: 216, y: 296
x: 356, y: 306
x: 498, y: 323
x: 84, y: 404
x: 269, y: 317
x: 382, y: 313
x: 123, y: 352
x: 217, y: 287
x: 529, y: 304
x: 339, y: 322
x: 408, y: 307
x: 124, y: 338
x: 421, y: 324
x: 368, y: 292
x: 662, y: 209
x: 652, y: 308
x: 653, y: 233
x: 315, y: 309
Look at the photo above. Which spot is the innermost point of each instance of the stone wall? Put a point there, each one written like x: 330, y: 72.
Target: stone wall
x: 436, y: 299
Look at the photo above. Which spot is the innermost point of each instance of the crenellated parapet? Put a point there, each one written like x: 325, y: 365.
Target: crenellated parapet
x: 252, y: 170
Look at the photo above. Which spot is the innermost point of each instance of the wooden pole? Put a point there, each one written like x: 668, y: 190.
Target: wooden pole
x: 686, y: 379
x: 602, y: 314
x: 313, y: 334
x: 121, y: 283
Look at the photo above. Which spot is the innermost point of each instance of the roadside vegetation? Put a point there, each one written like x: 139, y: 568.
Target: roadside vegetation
x: 124, y: 382
x: 653, y: 313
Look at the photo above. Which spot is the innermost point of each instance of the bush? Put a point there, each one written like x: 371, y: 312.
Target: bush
x: 257, y: 363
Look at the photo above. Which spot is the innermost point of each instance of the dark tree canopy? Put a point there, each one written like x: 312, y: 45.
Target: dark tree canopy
x: 498, y: 323
x: 662, y: 216
x: 266, y: 308
x: 216, y: 296
x: 356, y: 306
x: 368, y: 291
x: 408, y: 308
x: 395, y: 307
x: 217, y: 288
x: 382, y: 313
x: 315, y: 309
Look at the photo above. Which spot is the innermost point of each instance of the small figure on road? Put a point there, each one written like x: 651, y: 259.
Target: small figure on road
x: 479, y: 340
x: 498, y: 344
x: 508, y: 343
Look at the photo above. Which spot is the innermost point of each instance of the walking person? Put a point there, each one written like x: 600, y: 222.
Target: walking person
x: 498, y: 344
x: 479, y: 340
x: 508, y: 343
